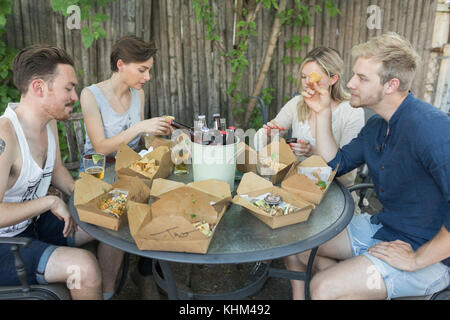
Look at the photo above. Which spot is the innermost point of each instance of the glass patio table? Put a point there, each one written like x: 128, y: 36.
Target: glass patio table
x: 240, y: 238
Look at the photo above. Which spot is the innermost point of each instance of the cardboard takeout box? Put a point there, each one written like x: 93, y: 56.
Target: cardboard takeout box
x: 168, y: 224
x: 155, y: 142
x: 90, y: 191
x: 303, y: 186
x: 273, y: 161
x: 126, y: 156
x: 246, y: 158
x: 253, y: 185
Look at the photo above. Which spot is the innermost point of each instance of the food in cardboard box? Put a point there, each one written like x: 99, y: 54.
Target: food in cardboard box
x: 115, y: 203
x: 145, y: 166
x: 269, y: 163
x: 317, y: 174
x: 204, y: 227
x: 272, y: 204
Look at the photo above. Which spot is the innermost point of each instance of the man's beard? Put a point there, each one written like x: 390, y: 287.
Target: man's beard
x: 369, y: 101
x: 61, y: 115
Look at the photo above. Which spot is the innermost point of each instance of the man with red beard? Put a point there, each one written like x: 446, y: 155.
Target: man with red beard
x: 29, y: 161
x: 404, y: 249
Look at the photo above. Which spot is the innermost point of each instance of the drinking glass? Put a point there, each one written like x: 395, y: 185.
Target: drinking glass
x: 94, y: 164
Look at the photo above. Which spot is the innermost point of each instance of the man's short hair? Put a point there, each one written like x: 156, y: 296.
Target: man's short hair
x: 131, y: 49
x: 38, y: 62
x: 399, y: 59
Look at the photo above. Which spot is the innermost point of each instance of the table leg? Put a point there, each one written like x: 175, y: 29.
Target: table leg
x: 297, y: 275
x: 308, y: 275
x: 169, y: 280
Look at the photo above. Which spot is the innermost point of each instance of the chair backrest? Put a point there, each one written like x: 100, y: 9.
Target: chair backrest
x: 75, y: 140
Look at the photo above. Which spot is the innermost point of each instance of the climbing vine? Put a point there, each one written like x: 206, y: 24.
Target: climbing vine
x: 89, y: 33
x: 299, y: 15
x: 8, y: 92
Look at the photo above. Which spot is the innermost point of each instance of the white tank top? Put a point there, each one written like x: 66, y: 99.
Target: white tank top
x: 113, y: 122
x: 33, y: 181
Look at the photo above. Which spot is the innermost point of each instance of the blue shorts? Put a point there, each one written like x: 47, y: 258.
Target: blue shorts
x: 399, y: 283
x: 46, y: 234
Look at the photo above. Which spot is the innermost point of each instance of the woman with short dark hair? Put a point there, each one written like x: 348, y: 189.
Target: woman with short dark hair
x: 113, y: 110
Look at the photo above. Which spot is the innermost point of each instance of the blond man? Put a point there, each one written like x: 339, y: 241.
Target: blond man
x: 404, y: 249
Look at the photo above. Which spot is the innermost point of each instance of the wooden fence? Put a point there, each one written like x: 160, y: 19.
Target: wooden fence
x: 189, y: 75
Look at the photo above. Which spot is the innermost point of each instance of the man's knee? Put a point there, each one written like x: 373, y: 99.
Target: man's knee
x: 322, y: 288
x: 89, y: 267
x: 73, y: 265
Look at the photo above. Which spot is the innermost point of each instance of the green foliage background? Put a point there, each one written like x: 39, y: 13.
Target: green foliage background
x: 299, y: 15
x: 8, y: 92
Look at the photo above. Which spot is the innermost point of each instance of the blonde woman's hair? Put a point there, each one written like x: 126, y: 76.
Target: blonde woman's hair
x: 331, y: 62
x: 398, y: 57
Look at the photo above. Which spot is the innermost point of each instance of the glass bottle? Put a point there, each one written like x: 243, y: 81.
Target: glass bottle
x: 216, y: 122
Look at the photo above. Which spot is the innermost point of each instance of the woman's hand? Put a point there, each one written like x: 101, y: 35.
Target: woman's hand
x: 271, y: 126
x: 159, y: 126
x: 60, y: 210
x: 302, y: 148
x: 317, y: 98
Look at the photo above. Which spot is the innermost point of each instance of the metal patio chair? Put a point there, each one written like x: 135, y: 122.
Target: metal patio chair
x: 25, y: 291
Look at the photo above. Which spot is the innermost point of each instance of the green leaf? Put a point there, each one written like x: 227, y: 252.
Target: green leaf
x: 87, y: 40
x: 101, y: 33
x: 100, y: 17
x: 298, y: 60
x: 2, y: 20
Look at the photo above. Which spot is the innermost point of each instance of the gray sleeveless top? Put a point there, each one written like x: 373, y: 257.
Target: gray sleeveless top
x: 113, y: 122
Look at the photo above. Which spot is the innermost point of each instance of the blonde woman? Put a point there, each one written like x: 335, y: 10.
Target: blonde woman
x: 296, y: 115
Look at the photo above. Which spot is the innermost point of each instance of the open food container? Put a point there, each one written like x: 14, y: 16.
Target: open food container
x: 105, y: 205
x: 182, y: 219
x: 273, y: 161
x: 309, y: 179
x: 156, y: 164
x: 270, y: 204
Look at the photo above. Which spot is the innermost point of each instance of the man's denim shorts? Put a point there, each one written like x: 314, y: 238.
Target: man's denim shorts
x: 399, y: 283
x: 46, y: 234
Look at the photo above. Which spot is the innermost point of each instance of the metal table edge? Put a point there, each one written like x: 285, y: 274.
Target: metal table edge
x: 228, y: 258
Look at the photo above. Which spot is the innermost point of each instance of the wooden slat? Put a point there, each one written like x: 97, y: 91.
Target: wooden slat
x: 185, y: 81
x: 194, y: 76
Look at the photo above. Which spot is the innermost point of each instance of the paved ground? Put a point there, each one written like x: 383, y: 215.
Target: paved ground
x: 209, y: 279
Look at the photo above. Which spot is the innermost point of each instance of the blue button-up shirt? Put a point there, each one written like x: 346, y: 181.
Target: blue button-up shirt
x: 410, y: 168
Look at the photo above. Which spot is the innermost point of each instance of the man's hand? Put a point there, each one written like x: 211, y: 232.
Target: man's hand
x: 317, y: 98
x: 60, y: 210
x: 398, y: 254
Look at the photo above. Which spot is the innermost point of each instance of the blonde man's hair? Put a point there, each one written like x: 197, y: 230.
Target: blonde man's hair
x: 398, y: 57
x: 331, y: 62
